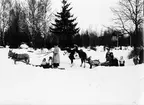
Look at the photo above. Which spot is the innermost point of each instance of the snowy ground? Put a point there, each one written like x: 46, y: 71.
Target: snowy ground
x: 24, y: 84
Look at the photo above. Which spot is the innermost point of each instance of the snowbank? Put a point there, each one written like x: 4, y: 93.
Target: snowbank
x: 24, y: 84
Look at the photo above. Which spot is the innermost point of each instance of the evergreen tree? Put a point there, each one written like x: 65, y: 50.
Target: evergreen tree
x: 64, y: 27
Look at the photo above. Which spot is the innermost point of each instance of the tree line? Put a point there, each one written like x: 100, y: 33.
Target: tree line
x: 24, y: 21
x: 33, y: 22
x: 110, y: 38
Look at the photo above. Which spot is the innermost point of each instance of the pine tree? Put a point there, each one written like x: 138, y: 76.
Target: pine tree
x: 64, y: 27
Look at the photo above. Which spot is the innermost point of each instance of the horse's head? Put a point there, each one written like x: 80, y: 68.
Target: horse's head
x: 10, y: 50
x: 64, y: 53
x: 10, y: 53
x: 66, y: 50
x: 88, y: 59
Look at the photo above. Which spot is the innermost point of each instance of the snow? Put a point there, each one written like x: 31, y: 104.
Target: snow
x: 25, y: 84
x: 24, y: 46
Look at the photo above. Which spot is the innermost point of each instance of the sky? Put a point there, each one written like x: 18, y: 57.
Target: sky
x: 91, y: 14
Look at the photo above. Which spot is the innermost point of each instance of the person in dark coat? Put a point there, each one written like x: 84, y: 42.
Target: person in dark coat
x: 108, y: 57
x: 71, y: 55
x: 113, y: 61
x: 71, y: 52
x: 44, y: 63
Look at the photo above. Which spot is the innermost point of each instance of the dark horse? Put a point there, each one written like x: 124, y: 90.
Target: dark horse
x: 83, y: 56
x: 72, y: 51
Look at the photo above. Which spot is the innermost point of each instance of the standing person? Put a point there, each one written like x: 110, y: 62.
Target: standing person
x: 56, y: 56
x: 108, y: 57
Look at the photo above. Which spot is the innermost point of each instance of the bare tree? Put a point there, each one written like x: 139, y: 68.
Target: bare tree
x: 129, y: 16
x: 38, y: 16
x: 5, y: 6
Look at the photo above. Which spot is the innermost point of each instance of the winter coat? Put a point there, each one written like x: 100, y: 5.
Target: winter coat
x: 56, y: 56
x: 108, y: 56
x: 114, y: 62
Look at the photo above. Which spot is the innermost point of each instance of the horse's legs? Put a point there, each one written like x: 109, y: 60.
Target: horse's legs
x: 90, y: 66
x: 84, y: 64
x: 81, y: 62
x: 27, y: 61
x: 71, y: 62
x: 14, y: 61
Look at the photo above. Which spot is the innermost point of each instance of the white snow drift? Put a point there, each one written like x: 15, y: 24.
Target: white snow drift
x: 25, y: 84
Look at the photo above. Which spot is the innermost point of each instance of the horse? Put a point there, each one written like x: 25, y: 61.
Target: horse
x: 83, y: 56
x: 10, y: 54
x: 71, y: 53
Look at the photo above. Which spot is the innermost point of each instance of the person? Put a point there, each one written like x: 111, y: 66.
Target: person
x: 50, y: 61
x: 46, y: 64
x: 72, y: 53
x: 121, y: 61
x: 108, y: 57
x: 113, y: 61
x: 136, y: 60
x: 56, y: 56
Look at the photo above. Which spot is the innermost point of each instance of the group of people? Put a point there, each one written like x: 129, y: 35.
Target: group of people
x: 53, y: 62
x: 112, y: 61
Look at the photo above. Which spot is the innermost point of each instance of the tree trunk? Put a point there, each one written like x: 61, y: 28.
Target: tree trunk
x: 3, y: 38
x: 142, y: 46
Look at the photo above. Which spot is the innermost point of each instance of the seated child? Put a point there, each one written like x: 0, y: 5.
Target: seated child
x: 50, y: 62
x: 121, y: 61
x: 136, y: 60
x: 46, y: 64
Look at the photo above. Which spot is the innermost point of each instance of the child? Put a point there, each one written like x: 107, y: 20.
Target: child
x: 136, y: 60
x: 121, y: 61
x: 46, y: 64
x: 50, y: 62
